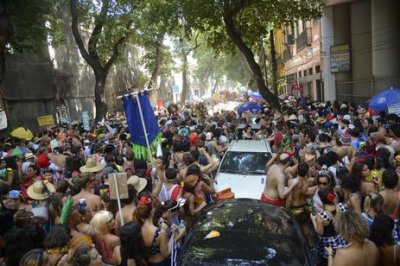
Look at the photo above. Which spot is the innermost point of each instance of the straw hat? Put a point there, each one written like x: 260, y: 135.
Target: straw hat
x: 91, y: 166
x: 101, y: 136
x: 309, y: 157
x: 277, y: 115
x: 292, y: 117
x: 29, y: 155
x: 138, y: 183
x: 37, y: 190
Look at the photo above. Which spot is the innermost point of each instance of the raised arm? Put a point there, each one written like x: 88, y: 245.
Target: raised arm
x: 284, y: 192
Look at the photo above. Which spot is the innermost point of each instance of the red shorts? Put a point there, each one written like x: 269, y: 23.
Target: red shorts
x: 277, y: 202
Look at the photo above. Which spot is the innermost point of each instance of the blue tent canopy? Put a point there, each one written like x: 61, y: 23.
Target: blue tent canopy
x: 248, y: 106
x: 382, y: 100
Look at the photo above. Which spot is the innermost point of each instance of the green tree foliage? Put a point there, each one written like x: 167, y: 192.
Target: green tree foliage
x: 110, y: 24
x: 23, y: 27
x: 242, y: 24
x: 212, y: 65
x: 151, y: 35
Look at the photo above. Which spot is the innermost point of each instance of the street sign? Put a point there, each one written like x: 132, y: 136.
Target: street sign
x: 394, y: 108
x: 45, y: 120
x: 175, y: 89
x: 3, y: 120
x: 340, y: 58
x: 118, y: 184
x: 85, y: 120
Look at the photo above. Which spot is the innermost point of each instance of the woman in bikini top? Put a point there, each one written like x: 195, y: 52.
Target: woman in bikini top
x: 155, y: 239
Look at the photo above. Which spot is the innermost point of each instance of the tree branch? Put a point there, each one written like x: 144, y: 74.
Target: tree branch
x: 236, y: 38
x: 78, y: 37
x: 158, y: 61
x: 117, y: 45
x: 98, y: 27
x: 232, y: 13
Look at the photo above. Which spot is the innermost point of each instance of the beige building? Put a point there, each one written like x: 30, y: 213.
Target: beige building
x: 303, y: 69
x: 351, y: 53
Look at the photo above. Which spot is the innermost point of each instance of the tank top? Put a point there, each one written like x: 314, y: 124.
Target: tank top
x: 165, y: 194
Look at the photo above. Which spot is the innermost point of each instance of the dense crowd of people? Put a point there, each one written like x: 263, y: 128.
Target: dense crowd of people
x: 334, y: 166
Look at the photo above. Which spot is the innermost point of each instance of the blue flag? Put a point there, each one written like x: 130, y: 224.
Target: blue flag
x: 136, y: 130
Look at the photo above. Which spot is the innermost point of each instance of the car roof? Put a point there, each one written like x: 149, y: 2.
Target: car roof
x: 253, y: 126
x: 242, y: 145
x: 251, y: 232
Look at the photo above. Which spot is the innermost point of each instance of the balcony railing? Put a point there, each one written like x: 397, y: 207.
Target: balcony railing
x: 304, y: 39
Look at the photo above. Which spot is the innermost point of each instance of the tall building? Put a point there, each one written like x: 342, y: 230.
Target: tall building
x: 360, y: 47
x: 351, y: 53
x: 302, y: 58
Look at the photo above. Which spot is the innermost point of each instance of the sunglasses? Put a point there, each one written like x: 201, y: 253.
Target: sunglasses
x: 323, y: 183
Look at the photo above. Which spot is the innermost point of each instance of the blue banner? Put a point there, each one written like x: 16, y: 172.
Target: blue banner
x: 136, y: 130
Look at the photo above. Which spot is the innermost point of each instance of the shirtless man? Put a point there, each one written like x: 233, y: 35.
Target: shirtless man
x: 274, y: 190
x: 129, y: 163
x: 297, y: 199
x: 86, y: 182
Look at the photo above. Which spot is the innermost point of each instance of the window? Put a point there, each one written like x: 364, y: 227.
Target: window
x: 299, y: 74
x: 304, y: 24
x: 304, y: 73
x: 317, y: 69
x: 245, y: 162
x: 310, y: 71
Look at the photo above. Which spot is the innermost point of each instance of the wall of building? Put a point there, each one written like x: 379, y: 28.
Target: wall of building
x: 342, y: 35
x: 302, y: 69
x: 361, y: 56
x: 385, y: 27
x: 370, y: 27
x: 28, y: 90
x: 125, y: 76
x: 327, y: 40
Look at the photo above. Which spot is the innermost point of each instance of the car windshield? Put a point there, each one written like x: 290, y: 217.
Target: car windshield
x: 245, y: 162
x: 249, y: 234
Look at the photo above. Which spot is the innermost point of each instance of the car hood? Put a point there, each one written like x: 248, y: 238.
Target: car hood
x: 244, y: 186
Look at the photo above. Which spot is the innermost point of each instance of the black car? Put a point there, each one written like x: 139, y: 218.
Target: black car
x: 251, y: 232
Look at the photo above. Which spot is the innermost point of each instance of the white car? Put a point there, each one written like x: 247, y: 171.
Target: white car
x: 243, y: 168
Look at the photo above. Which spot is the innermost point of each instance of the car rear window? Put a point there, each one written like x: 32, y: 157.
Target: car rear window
x: 245, y: 162
x: 250, y: 234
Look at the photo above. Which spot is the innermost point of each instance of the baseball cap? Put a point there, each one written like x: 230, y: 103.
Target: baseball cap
x: 13, y: 194
x: 295, y: 137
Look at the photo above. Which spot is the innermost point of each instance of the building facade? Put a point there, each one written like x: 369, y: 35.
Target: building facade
x: 350, y: 54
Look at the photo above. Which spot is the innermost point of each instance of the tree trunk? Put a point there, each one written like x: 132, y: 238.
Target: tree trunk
x: 264, y: 62
x: 185, y: 84
x: 273, y: 63
x: 101, y: 107
x: 236, y: 38
x: 157, y: 67
x: 214, y: 90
